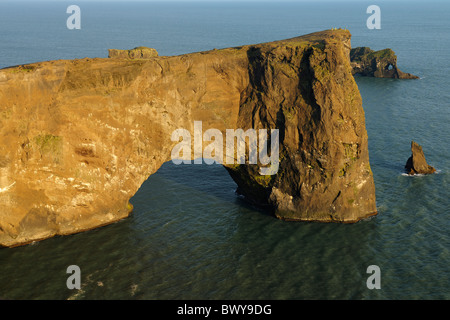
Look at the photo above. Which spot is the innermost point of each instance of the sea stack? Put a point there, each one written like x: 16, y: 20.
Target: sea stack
x: 417, y: 164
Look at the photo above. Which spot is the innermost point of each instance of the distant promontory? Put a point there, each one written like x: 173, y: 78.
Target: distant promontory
x: 378, y: 64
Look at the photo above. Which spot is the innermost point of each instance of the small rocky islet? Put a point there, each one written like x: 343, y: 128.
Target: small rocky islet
x: 378, y: 64
x: 416, y: 163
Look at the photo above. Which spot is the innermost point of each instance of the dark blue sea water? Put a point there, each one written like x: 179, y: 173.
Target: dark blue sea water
x: 190, y: 236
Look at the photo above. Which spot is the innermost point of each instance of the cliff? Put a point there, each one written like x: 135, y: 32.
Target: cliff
x: 79, y: 137
x: 378, y: 64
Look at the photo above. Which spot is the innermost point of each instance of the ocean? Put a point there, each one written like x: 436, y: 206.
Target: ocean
x: 190, y: 236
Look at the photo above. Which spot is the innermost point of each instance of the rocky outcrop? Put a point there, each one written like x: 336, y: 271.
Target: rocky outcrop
x: 378, y: 64
x: 417, y: 164
x: 136, y: 53
x: 79, y: 137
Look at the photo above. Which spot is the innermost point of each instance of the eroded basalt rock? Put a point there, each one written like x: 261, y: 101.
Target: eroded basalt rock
x: 136, y: 53
x: 378, y: 64
x: 416, y: 163
x: 79, y: 137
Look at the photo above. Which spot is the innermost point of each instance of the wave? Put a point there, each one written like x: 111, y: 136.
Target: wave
x: 420, y: 174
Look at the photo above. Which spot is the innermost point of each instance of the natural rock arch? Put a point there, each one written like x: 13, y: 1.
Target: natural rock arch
x: 379, y: 64
x: 79, y: 137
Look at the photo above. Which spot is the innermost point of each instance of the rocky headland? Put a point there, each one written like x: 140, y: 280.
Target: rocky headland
x: 79, y: 137
x: 378, y: 64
